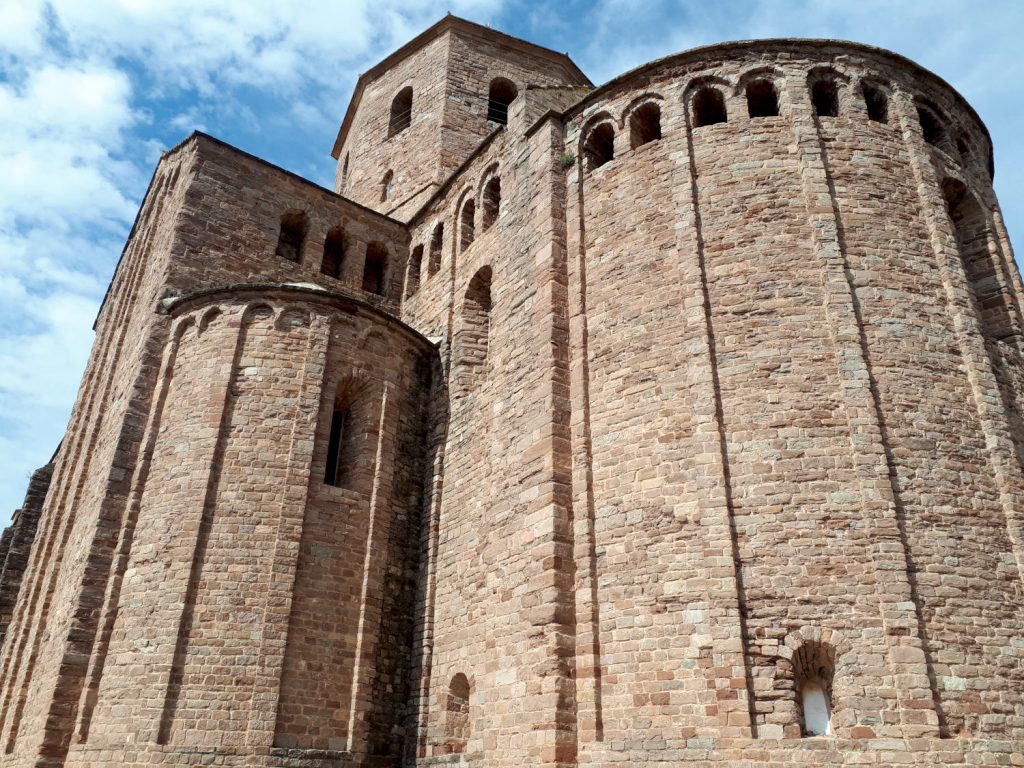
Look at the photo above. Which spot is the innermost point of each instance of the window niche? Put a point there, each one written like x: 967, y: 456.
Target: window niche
x: 375, y: 269
x: 350, y: 443
x: 813, y: 673
x: 931, y: 126
x: 467, y: 224
x: 472, y: 338
x: 436, y: 247
x: 335, y: 245
x: 599, y: 148
x: 401, y: 112
x: 501, y: 94
x: 708, y: 107
x: 412, y: 279
x: 876, y: 103
x: 762, y: 99
x: 387, y: 187
x: 292, y: 236
x: 457, y: 727
x: 491, y: 202
x: 825, y: 97
x: 644, y: 125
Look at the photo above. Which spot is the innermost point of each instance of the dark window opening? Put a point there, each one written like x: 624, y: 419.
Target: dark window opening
x: 344, y: 172
x: 644, y: 125
x: 877, y: 104
x: 292, y: 235
x: 930, y: 127
x: 375, y: 269
x: 825, y: 97
x: 436, y: 245
x: 600, y: 146
x: 963, y: 146
x: 708, y: 108
x: 491, y: 201
x: 401, y: 112
x: 467, y: 222
x: 386, y: 186
x: 334, y: 253
x: 412, y: 280
x: 338, y: 418
x: 762, y: 100
x: 502, y: 93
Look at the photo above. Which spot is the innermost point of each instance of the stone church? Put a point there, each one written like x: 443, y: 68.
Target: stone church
x: 673, y: 422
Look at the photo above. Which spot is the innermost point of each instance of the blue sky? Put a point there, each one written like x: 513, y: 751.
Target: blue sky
x: 91, y: 91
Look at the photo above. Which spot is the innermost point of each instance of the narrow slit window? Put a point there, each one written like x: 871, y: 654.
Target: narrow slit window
x: 825, y: 97
x: 762, y: 99
x: 491, y: 201
x: 467, y: 220
x: 387, y: 186
x: 344, y: 172
x: 292, y: 236
x: 600, y: 146
x: 334, y: 253
x: 501, y: 93
x: 644, y: 125
x: 708, y: 107
x: 338, y: 418
x: 876, y: 103
x: 375, y: 269
x: 436, y: 245
x: 412, y: 280
x: 401, y: 112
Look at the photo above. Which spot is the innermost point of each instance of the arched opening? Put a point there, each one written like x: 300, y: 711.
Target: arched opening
x: 501, y: 93
x: 456, y: 715
x: 599, y: 148
x: 708, y: 107
x: 436, y: 244
x: 467, y: 224
x: 814, y: 669
x: 993, y: 298
x: 292, y: 235
x: 825, y: 97
x: 762, y: 99
x: 375, y: 269
x: 344, y: 172
x: 644, y: 125
x: 387, y: 186
x: 963, y: 147
x: 401, y: 111
x: 334, y: 253
x: 412, y: 280
x: 876, y: 103
x: 491, y: 202
x: 350, y: 443
x: 471, y: 345
x: 931, y: 128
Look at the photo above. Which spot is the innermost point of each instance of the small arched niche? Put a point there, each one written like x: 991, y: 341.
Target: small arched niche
x: 471, y: 340
x: 876, y: 102
x: 375, y: 269
x: 491, y: 202
x: 387, y: 187
x: 501, y: 93
x: 457, y: 727
x: 762, y: 98
x: 644, y: 124
x: 708, y: 107
x: 467, y: 224
x: 932, y: 128
x: 436, y: 245
x: 412, y: 280
x: 599, y: 147
x: 813, y: 675
x: 335, y: 246
x: 292, y: 235
x: 401, y: 112
x: 825, y: 96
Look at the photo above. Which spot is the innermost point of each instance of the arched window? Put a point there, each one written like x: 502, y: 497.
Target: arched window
x: 350, y: 443
x: 502, y: 93
x: 963, y: 146
x: 931, y: 128
x: 599, y: 147
x: 401, y: 112
x: 491, y: 201
x: 814, y: 669
x: 292, y: 235
x: 467, y: 224
x: 471, y: 343
x: 825, y: 97
x: 876, y: 103
x: 995, y: 302
x: 762, y: 99
x: 386, y: 186
x: 412, y: 280
x: 344, y: 172
x: 708, y: 107
x: 456, y: 715
x: 644, y: 124
x: 334, y: 252
x: 436, y: 245
x: 375, y: 269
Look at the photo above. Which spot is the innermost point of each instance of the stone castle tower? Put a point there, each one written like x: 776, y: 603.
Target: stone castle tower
x: 673, y: 422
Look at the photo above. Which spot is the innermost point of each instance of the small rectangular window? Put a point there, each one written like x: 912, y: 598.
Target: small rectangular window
x: 334, y: 447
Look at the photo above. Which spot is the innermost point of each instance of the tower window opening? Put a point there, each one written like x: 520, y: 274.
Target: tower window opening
x: 467, y: 224
x: 387, y: 186
x: 375, y: 269
x: 292, y: 235
x: 644, y: 125
x: 931, y: 129
x: 491, y: 202
x: 708, y: 107
x: 334, y: 253
x: 599, y: 147
x: 456, y: 723
x: 436, y: 245
x: 412, y: 280
x: 762, y: 100
x: 338, y: 418
x: 401, y: 112
x: 502, y: 93
x: 877, y: 104
x: 814, y: 670
x: 825, y: 98
x: 816, y: 708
